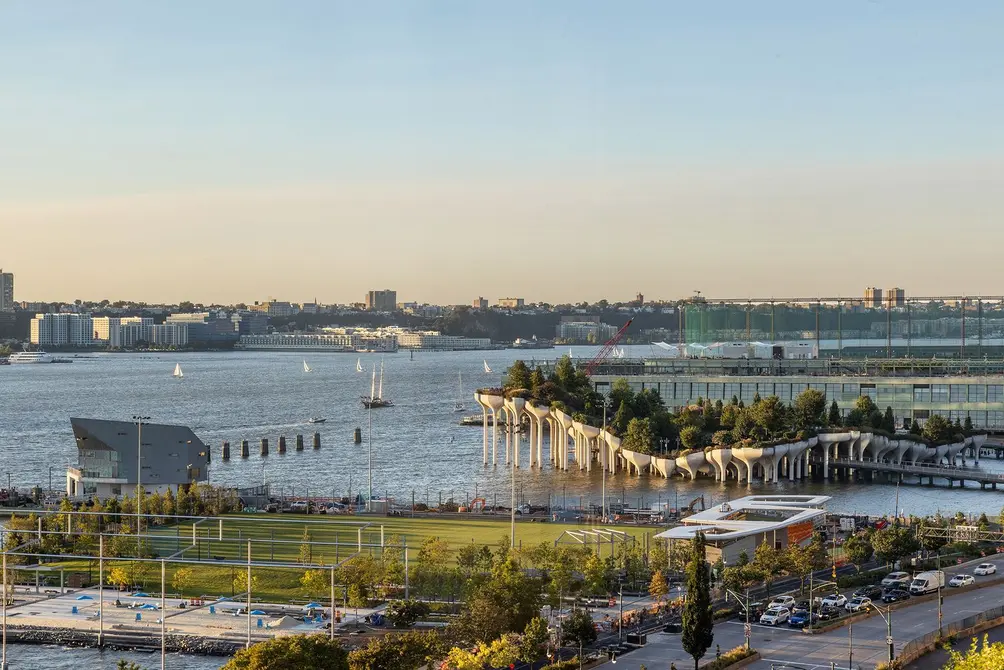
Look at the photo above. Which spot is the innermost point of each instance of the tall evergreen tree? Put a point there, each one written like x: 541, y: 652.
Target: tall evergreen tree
x: 834, y: 418
x: 889, y: 421
x: 698, y: 623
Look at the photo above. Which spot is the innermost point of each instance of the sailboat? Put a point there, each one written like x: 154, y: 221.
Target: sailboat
x: 459, y: 406
x: 488, y: 370
x: 306, y: 368
x: 375, y: 398
x: 359, y: 365
x: 177, y: 371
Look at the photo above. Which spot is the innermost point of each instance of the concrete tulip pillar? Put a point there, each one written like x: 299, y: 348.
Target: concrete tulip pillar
x: 514, y: 408
x: 565, y: 426
x: 608, y: 451
x: 490, y: 403
x: 537, y: 415
x: 590, y: 435
x: 828, y: 440
x: 720, y: 457
x: 780, y: 451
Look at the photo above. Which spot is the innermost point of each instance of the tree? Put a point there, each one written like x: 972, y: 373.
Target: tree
x: 727, y: 419
x: 639, y: 436
x: 834, y: 418
x: 658, y: 588
x: 596, y: 576
x: 537, y: 379
x: 690, y: 437
x: 127, y: 665
x: 808, y: 408
x: 314, y: 582
x: 578, y: 628
x: 622, y: 418
x: 404, y: 613
x: 306, y: 549
x: 767, y: 562
x: 505, y: 603
x: 498, y: 653
x: 979, y: 657
x: 893, y: 543
x: 121, y: 576
x: 518, y: 376
x: 316, y: 652
x: 801, y: 561
x: 698, y: 622
x: 241, y: 581
x: 534, y: 636
x: 888, y: 421
x: 937, y: 429
x: 968, y: 425
x: 858, y: 550
x: 399, y: 651
x: 182, y: 579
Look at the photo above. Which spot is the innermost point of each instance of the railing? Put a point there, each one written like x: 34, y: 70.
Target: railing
x: 946, y: 471
x: 918, y: 645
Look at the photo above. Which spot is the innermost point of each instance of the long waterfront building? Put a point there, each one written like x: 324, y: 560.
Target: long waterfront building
x: 915, y: 389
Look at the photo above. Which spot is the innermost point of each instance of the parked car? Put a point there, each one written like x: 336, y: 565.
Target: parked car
x: 985, y: 569
x: 871, y: 591
x: 775, y: 616
x: 835, y: 600
x: 785, y: 602
x: 859, y: 603
x: 961, y: 580
x: 800, y: 618
x: 895, y: 595
x: 897, y: 579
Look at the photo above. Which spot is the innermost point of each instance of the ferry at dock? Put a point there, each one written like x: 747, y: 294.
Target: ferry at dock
x: 26, y: 357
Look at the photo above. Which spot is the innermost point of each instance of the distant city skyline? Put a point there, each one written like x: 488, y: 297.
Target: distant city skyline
x: 559, y: 151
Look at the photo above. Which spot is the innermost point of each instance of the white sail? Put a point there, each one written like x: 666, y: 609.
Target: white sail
x: 488, y: 370
x: 459, y: 405
x: 359, y: 365
x: 177, y: 370
x: 306, y: 368
x: 380, y: 390
x: 373, y: 384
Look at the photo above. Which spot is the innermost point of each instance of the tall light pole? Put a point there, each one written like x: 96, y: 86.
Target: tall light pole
x: 512, y: 505
x: 606, y: 464
x: 369, y: 437
x: 139, y: 473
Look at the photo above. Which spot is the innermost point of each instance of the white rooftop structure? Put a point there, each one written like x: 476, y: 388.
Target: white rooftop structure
x: 749, y: 516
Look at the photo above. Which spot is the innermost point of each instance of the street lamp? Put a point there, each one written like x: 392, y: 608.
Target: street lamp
x: 746, y: 606
x: 888, y: 631
x: 139, y: 471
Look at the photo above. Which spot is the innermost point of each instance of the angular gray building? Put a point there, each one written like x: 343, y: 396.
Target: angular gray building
x: 108, y: 453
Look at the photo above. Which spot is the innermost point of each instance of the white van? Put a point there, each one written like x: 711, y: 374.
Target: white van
x: 927, y: 582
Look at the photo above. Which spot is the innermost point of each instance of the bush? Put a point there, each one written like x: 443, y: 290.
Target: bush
x: 862, y: 579
x: 724, y: 613
x: 571, y: 664
x: 729, y: 657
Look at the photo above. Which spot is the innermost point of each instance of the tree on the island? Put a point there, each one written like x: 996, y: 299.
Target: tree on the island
x: 916, y: 429
x: 316, y: 652
x: 127, y: 665
x: 967, y: 426
x: 858, y: 550
x: 537, y: 379
x: 578, y: 628
x: 834, y: 417
x: 889, y: 421
x: 808, y: 408
x: 399, y: 651
x: 728, y: 416
x: 756, y: 397
x: 690, y: 437
x: 622, y: 418
x: 937, y: 428
x: 658, y: 588
x: 639, y: 436
x: 518, y: 376
x: 893, y: 543
x: 698, y: 622
x: 770, y: 415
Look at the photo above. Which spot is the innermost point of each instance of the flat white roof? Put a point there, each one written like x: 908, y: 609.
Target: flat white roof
x: 717, y: 526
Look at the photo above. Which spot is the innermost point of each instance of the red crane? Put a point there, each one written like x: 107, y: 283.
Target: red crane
x: 604, y: 353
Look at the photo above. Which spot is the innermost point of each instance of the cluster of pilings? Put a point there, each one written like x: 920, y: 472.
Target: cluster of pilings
x: 245, y: 446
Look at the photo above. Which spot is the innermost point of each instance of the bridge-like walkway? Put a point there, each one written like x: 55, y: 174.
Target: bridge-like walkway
x: 950, y: 472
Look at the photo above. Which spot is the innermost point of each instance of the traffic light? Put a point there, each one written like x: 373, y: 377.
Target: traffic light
x: 834, y: 571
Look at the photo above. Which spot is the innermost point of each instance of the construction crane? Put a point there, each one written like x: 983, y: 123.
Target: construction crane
x: 605, y: 352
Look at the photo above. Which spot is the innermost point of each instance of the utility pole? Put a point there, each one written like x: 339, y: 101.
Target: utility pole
x: 620, y: 621
x: 850, y: 646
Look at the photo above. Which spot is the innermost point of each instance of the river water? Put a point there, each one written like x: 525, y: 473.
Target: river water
x: 418, y: 447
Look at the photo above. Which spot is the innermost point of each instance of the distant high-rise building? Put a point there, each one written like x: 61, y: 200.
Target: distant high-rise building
x: 873, y: 297
x: 275, y: 308
x: 480, y: 303
x: 6, y: 291
x: 895, y: 297
x: 512, y: 303
x: 381, y: 301
x: 640, y: 299
x: 62, y: 330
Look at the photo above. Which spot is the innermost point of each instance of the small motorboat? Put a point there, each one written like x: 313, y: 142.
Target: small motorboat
x: 315, y: 419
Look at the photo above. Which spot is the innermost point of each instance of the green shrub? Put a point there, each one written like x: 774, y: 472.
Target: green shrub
x: 729, y: 657
x: 725, y: 613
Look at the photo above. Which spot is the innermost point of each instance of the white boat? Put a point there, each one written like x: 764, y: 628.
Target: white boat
x: 488, y: 370
x: 306, y: 368
x: 375, y: 398
x: 359, y: 365
x: 316, y: 419
x: 459, y: 405
x: 177, y: 371
x: 25, y: 357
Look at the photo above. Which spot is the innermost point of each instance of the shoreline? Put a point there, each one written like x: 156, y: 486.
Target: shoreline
x: 119, y: 641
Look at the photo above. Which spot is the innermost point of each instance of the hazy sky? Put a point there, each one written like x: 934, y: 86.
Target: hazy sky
x: 562, y: 150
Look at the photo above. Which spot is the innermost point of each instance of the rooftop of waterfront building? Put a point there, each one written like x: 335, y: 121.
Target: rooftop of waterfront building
x: 751, y: 515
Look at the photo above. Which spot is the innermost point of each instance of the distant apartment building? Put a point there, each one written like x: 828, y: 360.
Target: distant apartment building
x: 328, y: 339
x: 873, y: 298
x: 275, y: 308
x: 108, y: 329
x: 310, y: 308
x: 34, y: 306
x: 433, y: 340
x: 381, y: 301
x: 249, y: 323
x: 206, y: 328
x: 167, y: 335
x: 62, y: 330
x: 584, y: 332
x: 6, y: 291
x: 480, y: 304
x: 895, y: 297
x: 512, y: 303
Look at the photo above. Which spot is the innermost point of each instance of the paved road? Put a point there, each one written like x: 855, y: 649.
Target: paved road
x: 790, y: 649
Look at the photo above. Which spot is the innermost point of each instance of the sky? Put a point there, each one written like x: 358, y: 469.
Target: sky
x: 559, y: 151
